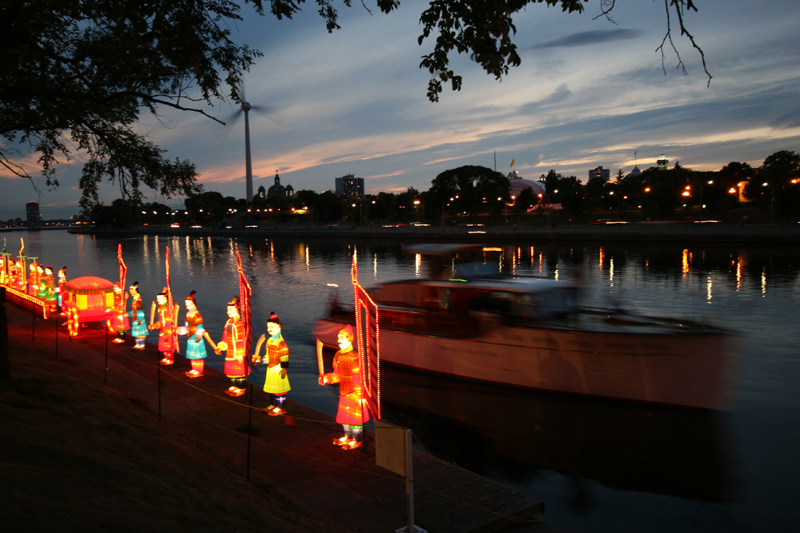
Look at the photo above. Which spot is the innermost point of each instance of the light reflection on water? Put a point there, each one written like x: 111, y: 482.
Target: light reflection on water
x: 598, y: 465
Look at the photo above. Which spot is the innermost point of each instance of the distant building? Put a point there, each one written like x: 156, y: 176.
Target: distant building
x: 278, y: 189
x: 662, y: 162
x: 32, y: 211
x: 350, y: 187
x: 634, y: 173
x: 517, y: 184
x: 600, y: 173
x: 261, y: 193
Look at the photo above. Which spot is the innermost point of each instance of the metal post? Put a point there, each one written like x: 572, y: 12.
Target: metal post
x: 158, y: 364
x: 249, y: 428
x: 410, y: 482
x: 105, y: 369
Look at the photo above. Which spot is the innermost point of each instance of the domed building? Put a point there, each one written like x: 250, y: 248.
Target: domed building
x: 634, y: 173
x: 280, y: 190
x: 519, y: 184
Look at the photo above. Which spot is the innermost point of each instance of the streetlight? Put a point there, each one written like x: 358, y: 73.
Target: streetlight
x: 765, y: 184
x: 702, y: 205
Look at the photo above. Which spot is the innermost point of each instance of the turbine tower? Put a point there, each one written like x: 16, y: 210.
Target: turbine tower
x: 247, y: 162
x: 245, y: 109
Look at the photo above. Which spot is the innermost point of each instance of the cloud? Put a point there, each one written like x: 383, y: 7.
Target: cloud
x: 587, y: 38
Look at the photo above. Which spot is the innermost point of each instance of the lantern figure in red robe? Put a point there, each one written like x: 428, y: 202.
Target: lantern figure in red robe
x: 119, y: 322
x: 166, y: 336
x: 277, y: 360
x: 195, y: 332
x: 233, y: 344
x: 353, y: 411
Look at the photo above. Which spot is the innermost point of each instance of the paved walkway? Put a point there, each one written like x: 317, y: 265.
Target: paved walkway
x: 346, y: 486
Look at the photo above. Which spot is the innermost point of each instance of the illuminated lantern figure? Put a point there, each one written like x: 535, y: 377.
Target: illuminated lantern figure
x: 62, y: 279
x: 119, y: 322
x: 52, y: 290
x: 33, y: 279
x: 20, y: 275
x: 42, y: 292
x: 166, y: 334
x: 12, y: 272
x: 195, y: 347
x: 353, y: 410
x: 233, y: 344
x: 139, y: 329
x: 277, y: 361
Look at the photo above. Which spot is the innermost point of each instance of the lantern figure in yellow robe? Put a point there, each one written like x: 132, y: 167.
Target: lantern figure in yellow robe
x: 277, y: 360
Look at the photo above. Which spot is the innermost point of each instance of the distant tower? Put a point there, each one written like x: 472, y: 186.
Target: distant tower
x: 32, y: 211
x: 350, y: 186
x: 600, y: 173
x: 662, y: 162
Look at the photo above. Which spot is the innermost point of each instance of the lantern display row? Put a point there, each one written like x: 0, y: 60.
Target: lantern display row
x: 93, y: 299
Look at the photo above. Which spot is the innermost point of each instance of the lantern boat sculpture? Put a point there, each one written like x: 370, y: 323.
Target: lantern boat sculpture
x: 87, y: 299
x: 530, y: 332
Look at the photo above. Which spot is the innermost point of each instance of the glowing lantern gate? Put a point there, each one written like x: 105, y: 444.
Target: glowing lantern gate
x: 87, y: 299
x: 367, y: 344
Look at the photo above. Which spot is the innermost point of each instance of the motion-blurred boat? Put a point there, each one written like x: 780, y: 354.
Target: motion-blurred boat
x: 530, y: 332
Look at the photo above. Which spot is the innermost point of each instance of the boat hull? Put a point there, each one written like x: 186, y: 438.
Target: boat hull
x: 687, y: 370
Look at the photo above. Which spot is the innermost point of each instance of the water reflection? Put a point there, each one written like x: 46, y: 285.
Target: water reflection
x: 517, y: 433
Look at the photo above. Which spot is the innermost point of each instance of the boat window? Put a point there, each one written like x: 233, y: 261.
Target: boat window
x: 531, y: 306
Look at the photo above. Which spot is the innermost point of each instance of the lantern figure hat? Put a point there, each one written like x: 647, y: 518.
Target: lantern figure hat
x: 347, y: 332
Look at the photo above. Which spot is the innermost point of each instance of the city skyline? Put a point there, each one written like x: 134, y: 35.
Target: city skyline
x: 589, y: 93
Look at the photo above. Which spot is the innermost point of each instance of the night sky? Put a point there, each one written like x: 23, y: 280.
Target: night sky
x: 588, y: 93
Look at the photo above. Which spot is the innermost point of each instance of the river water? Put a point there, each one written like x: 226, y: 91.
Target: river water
x: 601, y: 466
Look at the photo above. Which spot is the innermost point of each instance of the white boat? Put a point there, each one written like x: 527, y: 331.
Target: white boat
x: 530, y: 332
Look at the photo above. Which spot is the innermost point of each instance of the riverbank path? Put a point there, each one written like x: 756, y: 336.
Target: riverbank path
x: 295, y: 451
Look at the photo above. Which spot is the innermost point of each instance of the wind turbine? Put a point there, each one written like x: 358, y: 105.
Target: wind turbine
x: 246, y: 108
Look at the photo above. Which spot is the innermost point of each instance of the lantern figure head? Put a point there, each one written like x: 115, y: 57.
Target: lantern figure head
x: 161, y: 297
x: 345, y: 337
x: 273, y: 325
x: 190, y: 305
x: 48, y: 271
x: 117, y: 289
x: 62, y: 275
x: 233, y: 308
x: 134, y: 289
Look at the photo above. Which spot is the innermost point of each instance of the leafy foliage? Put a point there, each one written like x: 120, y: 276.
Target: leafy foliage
x: 472, y: 188
x: 78, y: 73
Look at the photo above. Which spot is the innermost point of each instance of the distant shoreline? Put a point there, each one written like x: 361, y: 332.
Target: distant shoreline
x: 707, y: 233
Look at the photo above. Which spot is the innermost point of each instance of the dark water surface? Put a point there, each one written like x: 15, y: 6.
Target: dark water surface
x: 599, y: 465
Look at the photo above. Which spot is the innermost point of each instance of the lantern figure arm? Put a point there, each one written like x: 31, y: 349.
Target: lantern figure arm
x: 256, y: 354
x: 153, y: 316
